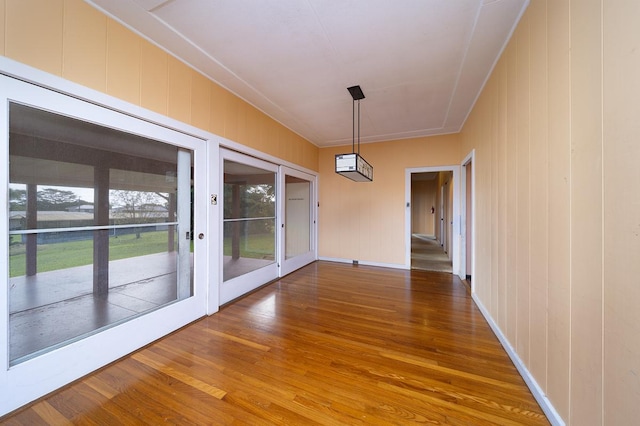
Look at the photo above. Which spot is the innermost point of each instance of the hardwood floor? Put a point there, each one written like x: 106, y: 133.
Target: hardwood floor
x: 328, y: 344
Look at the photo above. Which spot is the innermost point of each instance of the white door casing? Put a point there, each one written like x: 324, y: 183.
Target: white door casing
x: 455, y: 244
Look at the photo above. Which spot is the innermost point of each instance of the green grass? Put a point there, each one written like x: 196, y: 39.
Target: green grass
x: 259, y: 246
x: 69, y: 254
x: 126, y: 246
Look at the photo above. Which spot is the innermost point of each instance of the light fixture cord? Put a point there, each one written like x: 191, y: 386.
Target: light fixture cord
x: 353, y: 126
x: 358, y: 126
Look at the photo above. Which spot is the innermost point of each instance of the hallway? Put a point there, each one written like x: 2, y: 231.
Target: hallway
x: 428, y: 255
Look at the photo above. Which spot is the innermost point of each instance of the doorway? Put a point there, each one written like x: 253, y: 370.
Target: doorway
x: 431, y: 230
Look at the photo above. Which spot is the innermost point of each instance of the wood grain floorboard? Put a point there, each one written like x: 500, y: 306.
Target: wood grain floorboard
x: 329, y: 344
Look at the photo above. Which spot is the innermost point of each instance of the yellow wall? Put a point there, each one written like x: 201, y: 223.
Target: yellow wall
x: 365, y: 221
x: 558, y: 203
x: 70, y: 39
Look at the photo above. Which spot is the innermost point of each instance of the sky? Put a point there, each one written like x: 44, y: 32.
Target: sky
x: 85, y: 194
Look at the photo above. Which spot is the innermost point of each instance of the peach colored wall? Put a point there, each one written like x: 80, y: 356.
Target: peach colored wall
x: 621, y: 212
x: 2, y: 20
x: 72, y: 40
x: 557, y: 203
x: 365, y: 221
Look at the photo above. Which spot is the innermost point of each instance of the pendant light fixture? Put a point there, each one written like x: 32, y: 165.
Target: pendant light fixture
x: 352, y: 165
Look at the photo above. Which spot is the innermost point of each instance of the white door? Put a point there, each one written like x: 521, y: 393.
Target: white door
x: 99, y: 257
x: 297, y: 220
x: 248, y: 248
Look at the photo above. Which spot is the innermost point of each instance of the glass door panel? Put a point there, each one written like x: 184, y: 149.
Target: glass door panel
x: 297, y: 216
x: 298, y: 200
x: 92, y: 229
x: 97, y: 257
x: 249, y: 224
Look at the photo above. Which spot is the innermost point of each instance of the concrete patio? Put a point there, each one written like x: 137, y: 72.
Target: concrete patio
x: 53, y: 308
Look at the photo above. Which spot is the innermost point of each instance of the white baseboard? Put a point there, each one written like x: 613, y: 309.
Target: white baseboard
x: 364, y: 262
x: 536, y: 390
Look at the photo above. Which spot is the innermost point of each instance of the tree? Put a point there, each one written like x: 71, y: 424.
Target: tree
x: 17, y: 199
x: 138, y: 206
x: 57, y: 199
x: 48, y: 199
x: 257, y: 200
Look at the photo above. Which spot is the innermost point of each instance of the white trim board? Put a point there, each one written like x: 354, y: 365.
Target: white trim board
x: 364, y: 262
x: 552, y: 415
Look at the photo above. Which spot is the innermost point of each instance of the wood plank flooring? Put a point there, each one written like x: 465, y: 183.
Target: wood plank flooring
x: 329, y: 344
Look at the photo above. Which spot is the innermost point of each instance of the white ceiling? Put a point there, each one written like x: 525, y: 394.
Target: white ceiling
x: 420, y: 63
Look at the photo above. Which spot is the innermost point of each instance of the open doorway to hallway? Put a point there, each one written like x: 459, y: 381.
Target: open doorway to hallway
x: 432, y: 220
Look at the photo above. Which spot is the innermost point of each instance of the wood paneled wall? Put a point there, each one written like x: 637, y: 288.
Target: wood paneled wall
x: 556, y: 218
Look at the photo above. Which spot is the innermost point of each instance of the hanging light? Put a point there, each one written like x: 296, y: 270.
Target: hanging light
x: 352, y: 165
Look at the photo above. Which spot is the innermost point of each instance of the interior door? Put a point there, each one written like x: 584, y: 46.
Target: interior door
x: 248, y: 247
x: 297, y: 220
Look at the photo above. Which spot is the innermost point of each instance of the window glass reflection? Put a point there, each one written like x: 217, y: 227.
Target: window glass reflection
x: 249, y: 219
x: 297, y: 216
x: 93, y: 228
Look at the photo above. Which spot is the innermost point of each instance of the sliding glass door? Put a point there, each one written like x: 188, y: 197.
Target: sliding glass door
x: 97, y: 230
x: 298, y: 220
x: 98, y: 258
x: 249, y: 224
